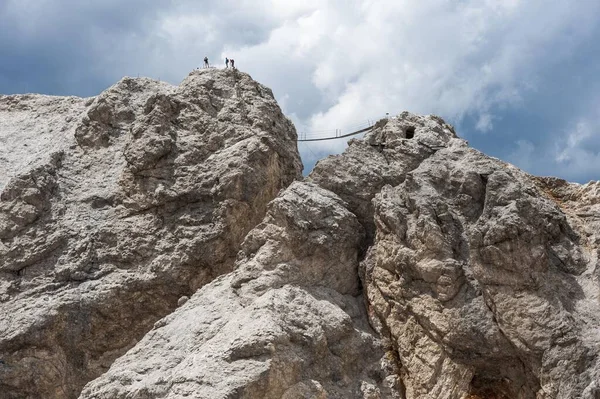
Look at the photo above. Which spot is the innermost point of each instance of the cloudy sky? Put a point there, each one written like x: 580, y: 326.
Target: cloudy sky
x: 517, y: 78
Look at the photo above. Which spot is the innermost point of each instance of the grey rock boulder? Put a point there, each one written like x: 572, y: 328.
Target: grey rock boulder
x: 480, y: 281
x: 134, y: 226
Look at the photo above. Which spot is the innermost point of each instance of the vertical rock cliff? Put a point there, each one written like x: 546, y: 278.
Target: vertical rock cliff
x: 288, y: 323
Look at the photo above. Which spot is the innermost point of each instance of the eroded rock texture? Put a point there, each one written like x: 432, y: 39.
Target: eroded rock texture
x: 409, y: 267
x: 479, y: 279
x: 483, y: 277
x: 114, y: 207
x: 286, y: 324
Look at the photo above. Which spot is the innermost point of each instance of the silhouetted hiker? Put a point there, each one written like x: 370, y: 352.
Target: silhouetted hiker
x: 232, y: 63
x: 226, y: 62
x: 205, y: 62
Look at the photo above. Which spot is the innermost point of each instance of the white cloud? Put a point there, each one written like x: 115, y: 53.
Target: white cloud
x: 359, y: 58
x: 485, y: 122
x: 366, y: 58
x: 572, y: 152
x: 578, y: 154
x: 335, y: 63
x: 572, y: 145
x: 522, y: 155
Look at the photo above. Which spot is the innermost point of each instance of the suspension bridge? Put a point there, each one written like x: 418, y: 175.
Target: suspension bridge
x: 334, y: 134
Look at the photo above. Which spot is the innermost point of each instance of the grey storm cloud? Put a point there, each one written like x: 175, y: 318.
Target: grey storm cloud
x: 56, y: 47
x: 80, y: 47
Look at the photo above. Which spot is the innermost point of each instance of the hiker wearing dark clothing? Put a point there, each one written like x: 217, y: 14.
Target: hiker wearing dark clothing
x: 205, y: 62
x: 226, y: 62
x: 232, y: 63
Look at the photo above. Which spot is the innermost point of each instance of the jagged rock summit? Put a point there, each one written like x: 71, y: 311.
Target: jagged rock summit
x: 410, y: 266
x: 484, y: 278
x: 114, y: 207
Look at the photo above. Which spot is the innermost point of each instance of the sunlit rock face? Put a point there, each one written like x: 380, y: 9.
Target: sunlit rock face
x: 483, y: 277
x: 158, y: 241
x: 287, y: 323
x: 114, y: 207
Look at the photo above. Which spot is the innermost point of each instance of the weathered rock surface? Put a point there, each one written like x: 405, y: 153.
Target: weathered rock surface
x: 114, y: 207
x: 286, y: 324
x: 481, y: 281
x: 410, y: 266
x: 383, y: 157
x: 485, y: 278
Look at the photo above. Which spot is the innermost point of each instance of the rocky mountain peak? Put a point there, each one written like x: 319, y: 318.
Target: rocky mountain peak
x: 114, y: 207
x: 158, y: 241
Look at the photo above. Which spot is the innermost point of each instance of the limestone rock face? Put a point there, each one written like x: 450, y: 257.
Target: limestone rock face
x: 485, y: 278
x: 113, y: 208
x: 287, y: 323
x: 147, y: 251
x: 383, y: 157
x: 480, y: 281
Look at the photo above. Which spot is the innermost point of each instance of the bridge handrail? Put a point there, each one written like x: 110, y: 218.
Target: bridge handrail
x: 355, y: 129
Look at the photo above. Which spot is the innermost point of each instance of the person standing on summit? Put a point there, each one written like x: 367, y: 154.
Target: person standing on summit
x: 232, y: 63
x: 226, y: 62
x: 205, y: 62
